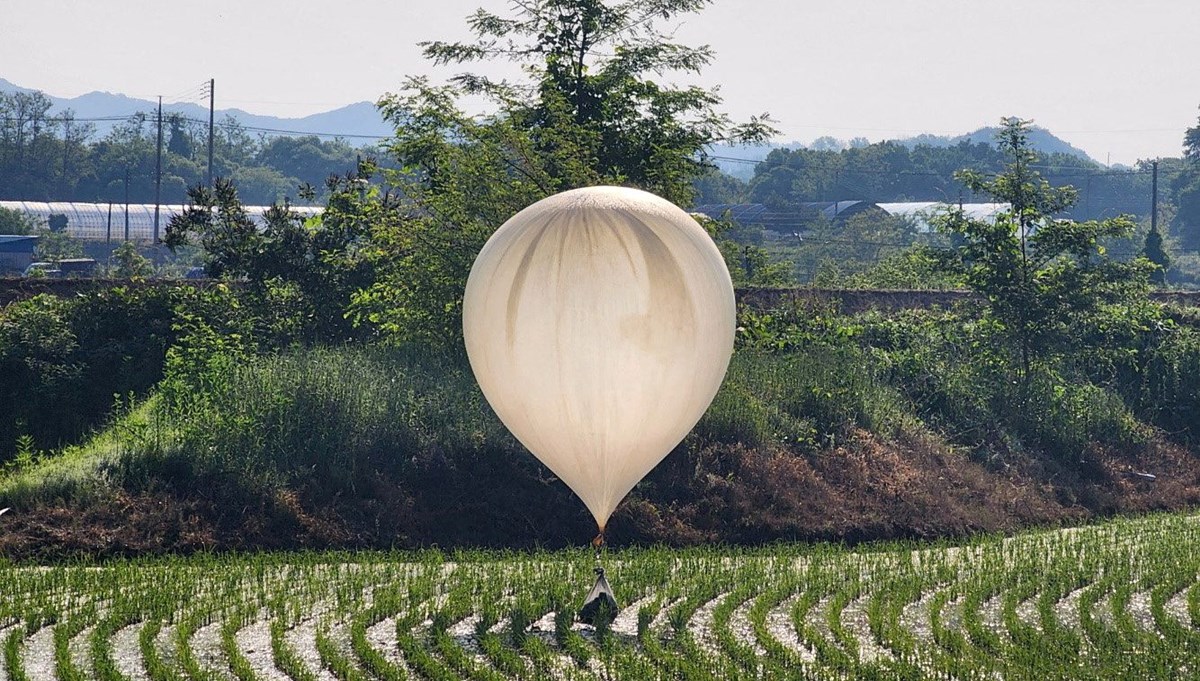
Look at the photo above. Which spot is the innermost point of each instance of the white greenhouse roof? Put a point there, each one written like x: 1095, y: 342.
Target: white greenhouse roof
x: 99, y: 221
x: 921, y: 212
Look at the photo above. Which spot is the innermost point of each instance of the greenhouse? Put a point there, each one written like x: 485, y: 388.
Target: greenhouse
x: 119, y: 221
x: 923, y: 212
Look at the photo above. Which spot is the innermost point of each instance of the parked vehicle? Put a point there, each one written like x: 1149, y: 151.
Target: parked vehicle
x: 43, y: 269
x: 69, y: 267
x: 77, y: 267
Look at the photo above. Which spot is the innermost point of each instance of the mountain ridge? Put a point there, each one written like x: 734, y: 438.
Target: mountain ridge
x: 358, y: 123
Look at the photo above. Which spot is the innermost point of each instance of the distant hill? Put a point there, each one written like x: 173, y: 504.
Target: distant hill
x: 358, y: 123
x: 1042, y: 140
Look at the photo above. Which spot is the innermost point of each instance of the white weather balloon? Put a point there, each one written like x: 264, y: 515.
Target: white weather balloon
x: 599, y: 323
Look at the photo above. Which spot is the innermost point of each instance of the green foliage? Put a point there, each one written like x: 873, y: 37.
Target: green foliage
x: 308, y: 160
x: 829, y: 251
x: 714, y: 186
x: 1154, y: 252
x: 64, y: 359
x: 1186, y: 191
x: 894, y: 172
x: 749, y: 264
x: 53, y: 246
x: 588, y: 104
x: 56, y: 157
x: 918, y: 268
x: 1162, y: 382
x: 948, y: 372
x: 310, y: 266
x: 39, y: 360
x: 328, y: 418
x: 129, y: 264
x: 587, y: 114
x: 16, y: 222
x: 1044, y: 279
x: 805, y: 401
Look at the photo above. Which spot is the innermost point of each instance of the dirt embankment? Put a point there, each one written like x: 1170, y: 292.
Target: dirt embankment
x: 864, y: 489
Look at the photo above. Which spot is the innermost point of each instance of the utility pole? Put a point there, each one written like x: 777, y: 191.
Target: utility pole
x: 1154, y: 197
x: 127, y: 203
x: 158, y: 171
x: 211, y: 85
x: 66, y: 150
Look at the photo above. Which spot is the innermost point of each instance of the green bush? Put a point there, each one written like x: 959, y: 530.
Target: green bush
x: 1066, y: 419
x: 65, y: 359
x: 805, y: 399
x: 330, y: 417
x: 1167, y: 388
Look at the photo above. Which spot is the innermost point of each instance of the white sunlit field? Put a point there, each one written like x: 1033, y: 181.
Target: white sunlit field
x: 1115, y: 600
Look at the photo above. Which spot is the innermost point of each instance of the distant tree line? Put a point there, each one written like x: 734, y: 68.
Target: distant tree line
x: 891, y: 172
x: 55, y: 157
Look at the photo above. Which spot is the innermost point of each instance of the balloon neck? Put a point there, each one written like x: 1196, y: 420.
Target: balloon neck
x: 597, y: 543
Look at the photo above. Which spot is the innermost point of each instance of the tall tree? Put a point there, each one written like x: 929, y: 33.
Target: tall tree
x: 589, y: 104
x: 1042, y: 276
x: 1156, y: 253
x: 592, y: 110
x: 1187, y: 191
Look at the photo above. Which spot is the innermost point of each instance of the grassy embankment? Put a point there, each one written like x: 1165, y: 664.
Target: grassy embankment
x: 834, y: 428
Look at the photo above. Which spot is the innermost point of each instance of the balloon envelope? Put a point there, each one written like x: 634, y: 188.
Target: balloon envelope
x: 599, y: 323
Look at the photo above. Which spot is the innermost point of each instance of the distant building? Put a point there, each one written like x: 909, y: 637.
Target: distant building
x: 104, y: 221
x: 16, y: 253
x: 921, y: 213
x: 797, y: 218
x: 786, y: 220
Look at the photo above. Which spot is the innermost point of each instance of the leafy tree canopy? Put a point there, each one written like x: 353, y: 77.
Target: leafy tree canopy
x: 1044, y: 278
x: 312, y: 265
x: 592, y: 110
x: 16, y: 222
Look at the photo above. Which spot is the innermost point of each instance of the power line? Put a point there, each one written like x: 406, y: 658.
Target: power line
x: 1085, y: 172
x: 249, y: 128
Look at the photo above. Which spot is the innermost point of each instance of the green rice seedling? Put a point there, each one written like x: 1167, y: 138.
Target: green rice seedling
x: 745, y: 659
x: 569, y: 640
x: 239, y: 665
x: 507, y: 661
x: 419, y: 657
x: 156, y: 667
x: 984, y: 588
x: 103, y: 664
x: 541, y: 656
x: 183, y: 646
x: 387, y: 603
x: 338, y: 664
x: 14, y: 666
x: 783, y: 658
x: 65, y: 668
x: 287, y: 660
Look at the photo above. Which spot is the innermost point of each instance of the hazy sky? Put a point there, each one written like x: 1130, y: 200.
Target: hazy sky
x: 1113, y: 77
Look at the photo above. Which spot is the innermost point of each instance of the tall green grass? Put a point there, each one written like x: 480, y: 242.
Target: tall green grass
x: 335, y: 416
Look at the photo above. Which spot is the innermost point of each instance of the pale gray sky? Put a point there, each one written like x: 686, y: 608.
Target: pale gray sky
x: 1119, y: 77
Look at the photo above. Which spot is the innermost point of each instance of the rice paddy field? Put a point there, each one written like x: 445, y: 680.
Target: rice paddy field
x: 1114, y: 600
